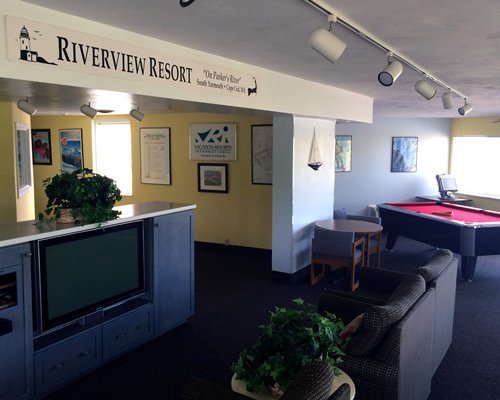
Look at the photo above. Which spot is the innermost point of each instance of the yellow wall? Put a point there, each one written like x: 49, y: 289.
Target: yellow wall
x: 7, y: 165
x: 477, y: 127
x: 242, y: 216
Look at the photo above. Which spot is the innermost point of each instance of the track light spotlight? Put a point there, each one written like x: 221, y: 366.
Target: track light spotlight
x: 135, y: 113
x: 465, y: 109
x: 326, y: 43
x: 88, y: 111
x: 447, y: 99
x: 26, y: 106
x: 391, y: 72
x: 425, y: 89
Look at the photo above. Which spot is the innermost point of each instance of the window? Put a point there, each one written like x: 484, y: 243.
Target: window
x: 113, y: 153
x: 475, y: 164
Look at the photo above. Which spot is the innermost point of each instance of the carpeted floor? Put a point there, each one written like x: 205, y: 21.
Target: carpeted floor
x: 234, y: 292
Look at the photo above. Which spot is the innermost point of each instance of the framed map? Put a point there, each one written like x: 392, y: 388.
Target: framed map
x: 262, y: 154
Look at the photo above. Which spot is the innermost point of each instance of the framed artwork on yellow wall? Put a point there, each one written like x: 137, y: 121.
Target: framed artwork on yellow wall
x: 71, y: 149
x: 212, y: 178
x: 262, y: 154
x: 155, y: 156
x: 41, y: 146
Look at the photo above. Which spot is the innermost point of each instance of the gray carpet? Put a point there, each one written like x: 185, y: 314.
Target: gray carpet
x: 234, y: 293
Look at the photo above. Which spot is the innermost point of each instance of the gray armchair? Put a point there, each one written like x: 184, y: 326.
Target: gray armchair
x: 337, y: 250
x: 312, y: 382
x: 439, y: 273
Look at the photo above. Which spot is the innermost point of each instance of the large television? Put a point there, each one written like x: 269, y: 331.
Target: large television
x: 447, y: 186
x: 88, y: 272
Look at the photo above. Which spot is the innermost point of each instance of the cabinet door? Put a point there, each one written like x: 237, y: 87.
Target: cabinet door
x: 16, y: 345
x: 173, y: 269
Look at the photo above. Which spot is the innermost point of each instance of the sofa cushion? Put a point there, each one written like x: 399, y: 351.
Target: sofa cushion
x: 436, y: 265
x: 378, y: 319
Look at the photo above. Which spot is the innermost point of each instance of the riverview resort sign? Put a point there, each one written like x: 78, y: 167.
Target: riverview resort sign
x: 60, y: 48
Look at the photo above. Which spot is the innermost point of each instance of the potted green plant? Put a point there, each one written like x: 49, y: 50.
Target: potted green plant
x: 292, y: 338
x: 90, y: 197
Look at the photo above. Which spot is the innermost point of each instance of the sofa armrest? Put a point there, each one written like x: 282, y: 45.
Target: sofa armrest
x: 370, y: 370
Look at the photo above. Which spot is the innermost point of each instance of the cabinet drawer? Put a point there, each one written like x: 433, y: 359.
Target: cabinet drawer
x: 126, y: 332
x: 68, y: 359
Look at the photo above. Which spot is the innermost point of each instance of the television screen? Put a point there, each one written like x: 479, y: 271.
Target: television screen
x: 84, y: 272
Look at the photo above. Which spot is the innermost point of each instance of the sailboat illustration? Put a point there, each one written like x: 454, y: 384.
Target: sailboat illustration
x: 314, y: 155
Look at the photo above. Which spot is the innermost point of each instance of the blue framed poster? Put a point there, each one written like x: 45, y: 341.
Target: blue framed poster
x: 71, y: 149
x: 404, y: 154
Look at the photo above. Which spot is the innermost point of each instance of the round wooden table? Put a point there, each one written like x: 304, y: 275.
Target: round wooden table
x: 239, y: 386
x: 350, y: 225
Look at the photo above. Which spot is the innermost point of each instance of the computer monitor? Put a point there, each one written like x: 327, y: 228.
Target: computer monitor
x: 447, y: 186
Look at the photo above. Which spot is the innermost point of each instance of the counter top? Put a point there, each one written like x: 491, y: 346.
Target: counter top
x: 22, y: 232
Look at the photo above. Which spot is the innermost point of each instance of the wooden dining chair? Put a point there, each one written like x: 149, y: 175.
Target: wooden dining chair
x: 336, y: 250
x: 373, y: 240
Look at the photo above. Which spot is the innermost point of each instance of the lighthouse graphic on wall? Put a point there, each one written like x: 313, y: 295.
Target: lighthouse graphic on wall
x: 26, y: 53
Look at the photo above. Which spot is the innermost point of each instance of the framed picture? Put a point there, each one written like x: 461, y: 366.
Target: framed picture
x: 213, y: 141
x: 212, y: 178
x: 41, y: 146
x: 404, y: 154
x: 343, y: 153
x: 24, y: 170
x: 155, y: 156
x: 71, y: 149
x: 262, y: 154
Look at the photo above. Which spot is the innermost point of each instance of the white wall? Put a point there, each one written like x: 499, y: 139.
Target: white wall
x: 371, y: 180
x: 301, y: 195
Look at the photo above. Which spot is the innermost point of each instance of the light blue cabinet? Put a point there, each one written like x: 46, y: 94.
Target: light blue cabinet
x: 34, y: 364
x: 173, y: 279
x: 16, y: 343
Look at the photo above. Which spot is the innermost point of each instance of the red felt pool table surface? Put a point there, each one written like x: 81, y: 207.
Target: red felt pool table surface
x: 465, y: 214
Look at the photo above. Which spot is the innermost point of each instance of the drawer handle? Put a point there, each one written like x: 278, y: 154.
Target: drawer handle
x: 139, y: 327
x: 120, y: 336
x: 84, y: 354
x: 57, y: 366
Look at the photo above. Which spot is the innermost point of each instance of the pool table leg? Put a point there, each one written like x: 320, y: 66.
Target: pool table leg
x: 390, y: 241
x: 468, y: 267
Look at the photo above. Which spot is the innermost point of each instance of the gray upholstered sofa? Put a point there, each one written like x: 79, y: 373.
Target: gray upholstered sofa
x: 404, y: 330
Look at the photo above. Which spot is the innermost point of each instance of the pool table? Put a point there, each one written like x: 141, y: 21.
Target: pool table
x: 468, y: 231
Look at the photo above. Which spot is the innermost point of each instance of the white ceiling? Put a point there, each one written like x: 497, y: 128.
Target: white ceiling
x: 456, y: 41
